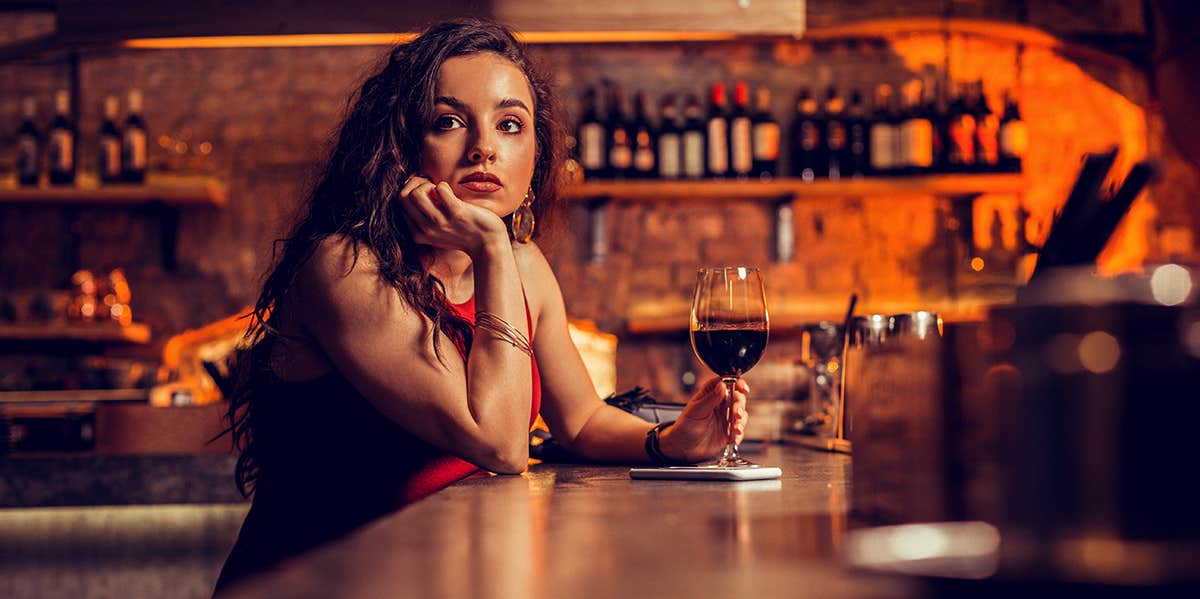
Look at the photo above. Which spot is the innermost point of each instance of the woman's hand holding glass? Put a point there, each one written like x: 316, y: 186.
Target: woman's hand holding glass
x: 440, y: 219
x: 701, y: 431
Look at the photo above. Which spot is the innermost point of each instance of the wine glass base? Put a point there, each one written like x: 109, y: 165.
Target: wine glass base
x: 734, y: 462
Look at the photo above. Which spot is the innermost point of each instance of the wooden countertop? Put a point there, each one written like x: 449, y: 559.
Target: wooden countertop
x: 590, y: 531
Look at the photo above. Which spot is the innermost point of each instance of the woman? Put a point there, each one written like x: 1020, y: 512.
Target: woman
x: 435, y: 330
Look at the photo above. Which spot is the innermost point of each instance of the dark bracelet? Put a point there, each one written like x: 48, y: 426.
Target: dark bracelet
x: 654, y: 450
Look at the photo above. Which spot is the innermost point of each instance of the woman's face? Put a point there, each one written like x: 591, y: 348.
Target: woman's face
x: 481, y: 137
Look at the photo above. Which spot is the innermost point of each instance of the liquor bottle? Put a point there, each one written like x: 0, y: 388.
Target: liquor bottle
x: 670, y: 141
x: 1014, y: 137
x: 29, y: 144
x: 834, y: 136
x: 61, y: 146
x: 960, y: 135
x: 620, y: 139
x: 857, y: 156
x: 806, y: 138
x: 765, y: 137
x: 110, y: 143
x: 741, y: 142
x: 134, y: 141
x: 591, y: 138
x: 882, y: 134
x: 916, y: 132
x: 987, y: 131
x: 936, y: 109
x: 717, y: 134
x: 644, y: 154
x: 693, y: 139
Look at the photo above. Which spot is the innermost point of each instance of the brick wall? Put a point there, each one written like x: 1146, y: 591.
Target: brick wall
x: 268, y: 114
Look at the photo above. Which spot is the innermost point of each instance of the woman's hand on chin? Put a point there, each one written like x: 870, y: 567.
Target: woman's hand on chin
x: 700, y: 432
x: 440, y: 219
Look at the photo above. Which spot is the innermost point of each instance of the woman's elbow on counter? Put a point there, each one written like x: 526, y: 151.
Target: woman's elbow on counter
x: 511, y: 459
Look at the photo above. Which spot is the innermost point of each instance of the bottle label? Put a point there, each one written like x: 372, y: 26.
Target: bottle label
x: 809, y: 136
x: 620, y: 157
x: 27, y: 157
x: 62, y: 150
x: 693, y: 154
x: 766, y: 141
x: 962, y: 140
x: 110, y: 156
x: 836, y: 136
x: 135, y: 149
x: 591, y: 146
x: 882, y: 146
x: 643, y: 159
x: 1014, y: 139
x: 668, y: 156
x: 917, y: 143
x: 718, y: 146
x: 740, y: 147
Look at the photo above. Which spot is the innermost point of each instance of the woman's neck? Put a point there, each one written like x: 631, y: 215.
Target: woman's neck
x: 454, y: 269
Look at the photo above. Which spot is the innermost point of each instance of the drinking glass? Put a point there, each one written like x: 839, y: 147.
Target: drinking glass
x: 729, y: 328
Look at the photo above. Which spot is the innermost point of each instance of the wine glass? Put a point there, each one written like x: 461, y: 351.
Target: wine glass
x: 729, y: 327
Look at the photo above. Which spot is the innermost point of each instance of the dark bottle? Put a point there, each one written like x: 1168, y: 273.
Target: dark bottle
x: 764, y: 137
x: 644, y: 154
x: 741, y: 133
x: 987, y: 131
x: 693, y: 139
x: 591, y: 137
x: 134, y: 144
x: 670, y: 141
x: 717, y: 134
x: 29, y: 144
x: 835, y: 135
x: 916, y: 132
x: 620, y: 137
x: 806, y: 137
x: 1014, y: 137
x: 857, y: 159
x: 960, y: 135
x: 60, y: 149
x: 882, y: 133
x: 110, y: 143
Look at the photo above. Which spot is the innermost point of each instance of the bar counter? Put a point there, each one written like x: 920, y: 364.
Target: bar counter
x: 586, y: 531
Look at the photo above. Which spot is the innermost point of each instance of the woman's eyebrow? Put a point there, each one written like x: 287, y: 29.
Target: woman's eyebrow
x: 459, y: 105
x: 513, y: 103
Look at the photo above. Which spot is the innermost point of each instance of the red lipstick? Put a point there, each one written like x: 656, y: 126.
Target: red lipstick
x: 481, y: 182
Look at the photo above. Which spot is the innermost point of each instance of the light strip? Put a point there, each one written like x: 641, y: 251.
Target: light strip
x: 388, y: 39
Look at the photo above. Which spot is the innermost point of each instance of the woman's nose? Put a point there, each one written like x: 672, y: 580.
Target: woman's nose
x: 483, y: 150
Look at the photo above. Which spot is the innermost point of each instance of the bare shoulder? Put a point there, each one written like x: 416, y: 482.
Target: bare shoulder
x: 337, y: 257
x: 541, y: 286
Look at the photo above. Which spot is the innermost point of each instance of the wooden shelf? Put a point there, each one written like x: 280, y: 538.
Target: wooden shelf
x: 74, y: 396
x: 137, y: 334
x: 172, y: 191
x: 952, y: 186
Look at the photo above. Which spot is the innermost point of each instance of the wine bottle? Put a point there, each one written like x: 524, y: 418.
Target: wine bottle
x: 693, y: 139
x: 110, y: 143
x: 765, y: 133
x: 806, y: 137
x: 882, y: 134
x: 916, y: 132
x: 1014, y: 137
x: 591, y: 137
x: 644, y: 154
x: 61, y: 147
x: 858, y: 159
x: 960, y: 138
x: 670, y: 141
x: 835, y: 135
x: 29, y: 144
x: 741, y: 151
x: 717, y: 134
x: 987, y: 130
x: 620, y: 139
x: 134, y: 141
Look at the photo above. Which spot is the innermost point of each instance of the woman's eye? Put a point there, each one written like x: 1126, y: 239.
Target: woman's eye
x: 511, y: 126
x: 446, y: 122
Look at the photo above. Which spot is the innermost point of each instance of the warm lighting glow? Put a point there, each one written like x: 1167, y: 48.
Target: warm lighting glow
x: 918, y: 542
x: 977, y: 264
x: 956, y: 549
x: 206, y: 147
x: 1171, y: 284
x: 388, y: 39
x: 1099, y: 352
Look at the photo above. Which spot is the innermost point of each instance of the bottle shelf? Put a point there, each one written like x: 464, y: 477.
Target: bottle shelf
x: 951, y: 186
x: 168, y: 190
x: 134, y: 334
x: 74, y: 396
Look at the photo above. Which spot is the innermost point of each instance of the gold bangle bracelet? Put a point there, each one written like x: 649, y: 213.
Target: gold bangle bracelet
x: 500, y: 329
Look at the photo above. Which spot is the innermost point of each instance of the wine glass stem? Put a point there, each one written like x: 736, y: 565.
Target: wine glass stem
x: 730, y: 456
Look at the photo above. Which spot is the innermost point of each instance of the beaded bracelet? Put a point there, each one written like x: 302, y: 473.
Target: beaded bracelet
x: 500, y: 329
x: 654, y: 450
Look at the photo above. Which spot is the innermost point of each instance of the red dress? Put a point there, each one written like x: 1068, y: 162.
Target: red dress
x: 330, y: 462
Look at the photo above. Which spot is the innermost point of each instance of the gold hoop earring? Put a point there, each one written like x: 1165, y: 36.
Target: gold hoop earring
x: 522, y: 223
